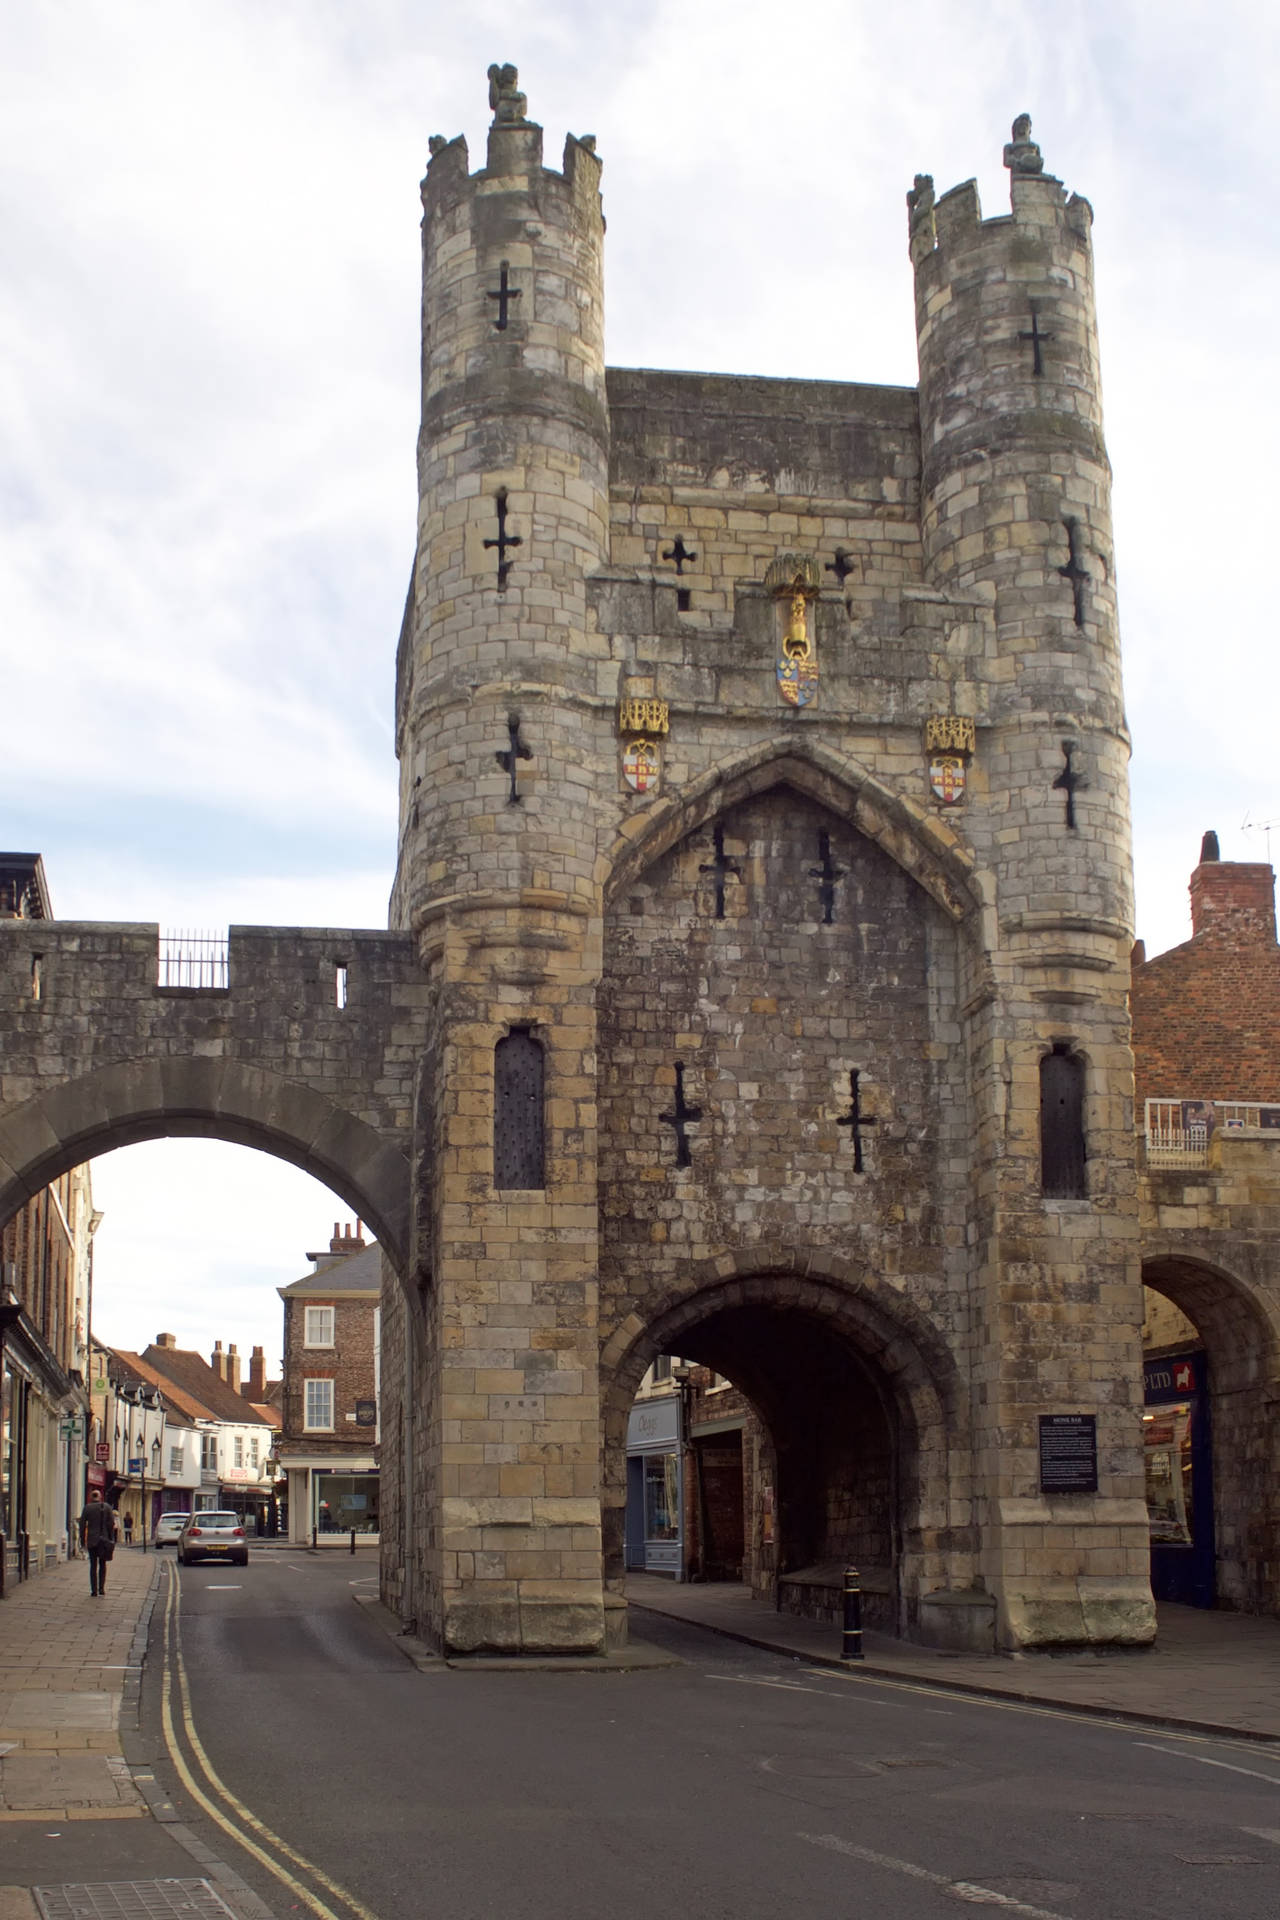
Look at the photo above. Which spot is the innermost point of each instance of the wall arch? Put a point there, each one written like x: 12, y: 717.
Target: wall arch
x: 923, y: 846
x: 1239, y: 1328
x: 135, y: 1100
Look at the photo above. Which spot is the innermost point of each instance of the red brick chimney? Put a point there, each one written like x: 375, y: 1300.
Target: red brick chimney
x: 1233, y: 903
x: 232, y: 1375
x: 166, y: 1339
x: 255, y: 1386
x: 218, y: 1360
x: 343, y: 1241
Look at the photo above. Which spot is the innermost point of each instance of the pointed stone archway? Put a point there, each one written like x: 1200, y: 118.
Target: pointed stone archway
x: 858, y: 1396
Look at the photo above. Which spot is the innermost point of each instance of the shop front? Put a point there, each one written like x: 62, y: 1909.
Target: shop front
x: 1179, y: 1479
x: 328, y: 1499
x: 655, y: 1487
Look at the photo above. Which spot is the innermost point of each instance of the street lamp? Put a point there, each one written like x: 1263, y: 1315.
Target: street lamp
x: 682, y: 1374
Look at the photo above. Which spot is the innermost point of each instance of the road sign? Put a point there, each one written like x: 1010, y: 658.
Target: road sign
x: 136, y: 1466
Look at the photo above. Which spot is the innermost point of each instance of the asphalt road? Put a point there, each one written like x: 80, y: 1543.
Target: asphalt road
x: 739, y: 1784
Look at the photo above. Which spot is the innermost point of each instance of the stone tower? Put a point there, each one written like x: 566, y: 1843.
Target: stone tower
x: 500, y: 720
x: 1015, y: 511
x: 762, y: 756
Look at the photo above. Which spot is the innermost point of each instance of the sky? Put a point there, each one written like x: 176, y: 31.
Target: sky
x: 208, y: 407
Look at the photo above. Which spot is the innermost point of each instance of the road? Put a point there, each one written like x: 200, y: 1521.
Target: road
x: 736, y: 1785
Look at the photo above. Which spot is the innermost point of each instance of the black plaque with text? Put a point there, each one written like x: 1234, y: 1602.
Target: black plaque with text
x: 1068, y: 1453
x: 366, y: 1413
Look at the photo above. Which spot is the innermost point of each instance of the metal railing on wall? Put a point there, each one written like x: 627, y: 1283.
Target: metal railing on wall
x: 1177, y: 1132
x: 193, y: 958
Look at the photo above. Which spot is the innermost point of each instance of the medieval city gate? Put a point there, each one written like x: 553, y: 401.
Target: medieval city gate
x: 763, y: 920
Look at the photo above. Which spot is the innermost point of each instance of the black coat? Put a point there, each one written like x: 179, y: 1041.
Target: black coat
x: 97, y: 1525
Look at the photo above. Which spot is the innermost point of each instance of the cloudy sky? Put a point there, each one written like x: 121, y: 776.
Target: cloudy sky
x: 208, y: 365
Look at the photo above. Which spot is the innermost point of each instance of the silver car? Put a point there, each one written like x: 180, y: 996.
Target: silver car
x: 212, y: 1535
x: 168, y: 1527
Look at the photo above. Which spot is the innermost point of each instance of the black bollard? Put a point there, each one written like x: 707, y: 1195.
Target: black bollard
x: 353, y: 1539
x: 851, y: 1644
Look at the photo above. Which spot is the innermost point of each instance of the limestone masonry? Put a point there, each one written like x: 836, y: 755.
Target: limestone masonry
x: 758, y: 982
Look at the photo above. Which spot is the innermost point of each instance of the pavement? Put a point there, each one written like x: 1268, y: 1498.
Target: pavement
x: 70, y: 1671
x: 72, y: 1819
x: 1209, y: 1672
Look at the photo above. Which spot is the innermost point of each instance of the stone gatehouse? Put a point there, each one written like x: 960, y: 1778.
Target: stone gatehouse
x: 758, y: 981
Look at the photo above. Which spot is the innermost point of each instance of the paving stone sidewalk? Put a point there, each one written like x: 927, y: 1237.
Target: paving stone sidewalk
x: 1213, y: 1672
x: 64, y: 1661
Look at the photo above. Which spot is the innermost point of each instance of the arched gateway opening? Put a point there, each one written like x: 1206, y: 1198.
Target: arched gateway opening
x: 219, y: 1099
x: 844, y: 1454
x: 1211, y: 1362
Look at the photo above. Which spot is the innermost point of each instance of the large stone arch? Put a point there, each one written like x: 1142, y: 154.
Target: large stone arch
x: 922, y: 845
x: 905, y: 1358
x: 135, y: 1100
x: 1238, y: 1321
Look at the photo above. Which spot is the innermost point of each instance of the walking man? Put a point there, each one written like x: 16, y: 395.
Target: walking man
x: 98, y: 1538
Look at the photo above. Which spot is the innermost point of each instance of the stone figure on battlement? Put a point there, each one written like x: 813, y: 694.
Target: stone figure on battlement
x: 505, y: 98
x: 1022, y: 155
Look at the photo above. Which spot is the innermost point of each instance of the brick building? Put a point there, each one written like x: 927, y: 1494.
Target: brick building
x: 1206, y: 1041
x: 328, y: 1443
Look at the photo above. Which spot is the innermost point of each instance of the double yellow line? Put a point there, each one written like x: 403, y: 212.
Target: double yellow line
x: 267, y: 1848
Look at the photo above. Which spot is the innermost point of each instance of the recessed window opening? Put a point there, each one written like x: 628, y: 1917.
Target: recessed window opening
x: 1062, y: 1138
x: 340, y: 983
x: 519, y: 1144
x: 37, y: 976
x: 684, y: 599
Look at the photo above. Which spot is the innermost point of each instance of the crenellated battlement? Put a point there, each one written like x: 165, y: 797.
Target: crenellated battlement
x: 513, y: 154
x: 949, y: 225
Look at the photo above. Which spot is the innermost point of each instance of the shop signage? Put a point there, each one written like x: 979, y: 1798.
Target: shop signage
x: 100, y: 1386
x: 654, y: 1423
x: 71, y: 1428
x: 102, y: 1452
x: 366, y: 1413
x: 1169, y: 1376
x: 1068, y: 1453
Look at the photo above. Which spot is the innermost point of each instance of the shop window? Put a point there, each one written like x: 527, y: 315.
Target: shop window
x: 318, y: 1331
x: 661, y: 1497
x: 318, y: 1409
x: 519, y: 1149
x: 1062, y: 1143
x: 346, y: 1502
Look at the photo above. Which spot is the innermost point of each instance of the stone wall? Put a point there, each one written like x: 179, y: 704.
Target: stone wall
x: 98, y: 1054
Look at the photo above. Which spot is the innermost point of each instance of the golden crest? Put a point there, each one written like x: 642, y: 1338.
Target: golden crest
x: 797, y: 669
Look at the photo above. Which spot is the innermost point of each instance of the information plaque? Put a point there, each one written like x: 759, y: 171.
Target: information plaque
x: 1068, y: 1453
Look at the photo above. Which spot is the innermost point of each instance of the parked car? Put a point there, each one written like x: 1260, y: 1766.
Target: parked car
x: 168, y: 1527
x: 213, y: 1536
